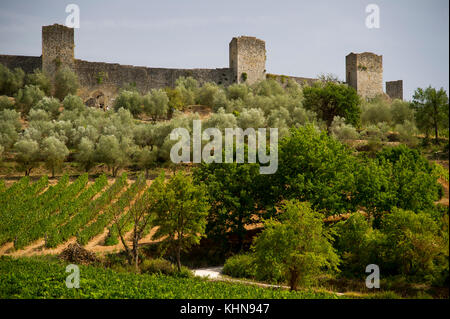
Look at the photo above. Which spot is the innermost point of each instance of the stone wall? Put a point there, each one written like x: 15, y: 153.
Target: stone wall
x: 248, y: 59
x: 57, y: 47
x: 26, y: 63
x: 364, y: 72
x: 395, y: 89
x: 282, y: 79
x: 93, y: 74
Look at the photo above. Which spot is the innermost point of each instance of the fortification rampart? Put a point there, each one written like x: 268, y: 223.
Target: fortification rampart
x: 26, y: 63
x: 247, y: 64
x: 395, y: 89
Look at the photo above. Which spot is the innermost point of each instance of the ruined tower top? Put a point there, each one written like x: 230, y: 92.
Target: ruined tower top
x: 57, y: 47
x: 248, y: 59
x: 364, y: 72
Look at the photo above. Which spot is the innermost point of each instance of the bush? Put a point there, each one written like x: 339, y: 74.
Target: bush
x: 376, y: 111
x: 207, y: 94
x: 156, y: 104
x: 342, y: 131
x: 129, y: 100
x: 73, y: 103
x: 164, y: 267
x: 240, y: 266
x: 66, y: 82
x: 41, y: 80
x: 27, y: 97
x: 6, y: 103
x: 407, y: 131
x: 50, y: 105
x: 11, y: 81
x: 401, y: 112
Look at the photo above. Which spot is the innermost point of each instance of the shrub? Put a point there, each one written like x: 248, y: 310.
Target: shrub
x: 50, y: 105
x: 237, y: 91
x: 207, y: 94
x: 66, y: 82
x: 401, y: 112
x: 41, y: 80
x: 376, y: 111
x: 414, y: 185
x: 342, y: 131
x: 6, y: 103
x: 413, y: 244
x: 11, y: 81
x: 164, y: 267
x: 73, y: 103
x: 240, y: 266
x: 251, y: 118
x: 156, y: 104
x: 129, y: 100
x: 407, y: 132
x: 27, y: 97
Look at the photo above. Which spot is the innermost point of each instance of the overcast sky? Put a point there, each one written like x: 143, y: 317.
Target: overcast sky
x: 303, y: 38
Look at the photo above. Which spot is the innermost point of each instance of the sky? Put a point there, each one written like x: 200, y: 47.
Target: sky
x: 303, y: 38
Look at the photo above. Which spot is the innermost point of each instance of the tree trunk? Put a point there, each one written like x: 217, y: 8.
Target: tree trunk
x: 53, y: 172
x: 293, y: 278
x: 179, y: 257
x: 146, y: 173
x: 436, y: 133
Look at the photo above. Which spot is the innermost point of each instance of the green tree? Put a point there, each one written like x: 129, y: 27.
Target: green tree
x: 111, y: 152
x: 129, y: 100
x: 86, y: 154
x: 413, y: 244
x: 147, y: 158
x: 73, y: 103
x: 9, y: 128
x: 41, y: 80
x: 65, y: 83
x: 412, y: 181
x: 27, y: 154
x: 50, y: 105
x: 11, y: 81
x: 236, y: 196
x: 315, y: 167
x: 27, y: 97
x: 140, y: 217
x: 181, y: 213
x: 431, y: 107
x: 330, y: 99
x: 296, y: 248
x: 54, y: 152
x: 156, y: 104
x: 6, y: 103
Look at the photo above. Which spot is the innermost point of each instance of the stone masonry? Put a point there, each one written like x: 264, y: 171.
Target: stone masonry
x: 247, y: 64
x: 395, y: 89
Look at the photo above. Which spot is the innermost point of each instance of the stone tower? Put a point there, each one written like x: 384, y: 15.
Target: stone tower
x: 395, y: 89
x: 57, y: 48
x: 248, y: 59
x: 364, y: 72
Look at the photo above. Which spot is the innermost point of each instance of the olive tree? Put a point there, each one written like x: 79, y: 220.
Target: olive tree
x: 65, y: 83
x: 156, y: 104
x: 27, y: 154
x: 54, y: 152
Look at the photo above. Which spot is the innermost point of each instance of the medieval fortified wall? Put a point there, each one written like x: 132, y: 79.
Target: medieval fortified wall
x: 247, y: 63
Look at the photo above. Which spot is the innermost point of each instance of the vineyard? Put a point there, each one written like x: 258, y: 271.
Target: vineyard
x: 33, y: 211
x: 44, y: 278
